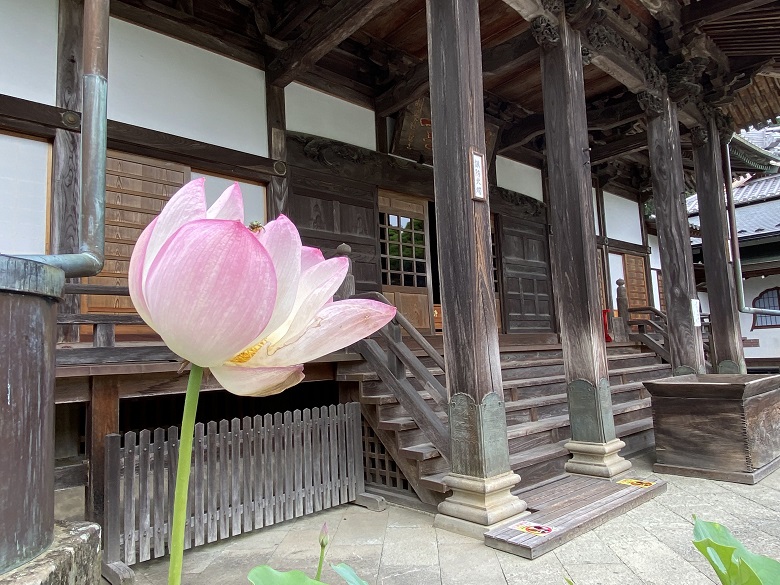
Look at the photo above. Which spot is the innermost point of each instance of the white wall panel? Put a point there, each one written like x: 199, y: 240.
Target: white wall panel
x: 656, y: 289
x: 519, y: 177
x: 655, y: 251
x: 254, y: 195
x: 623, y: 219
x: 314, y: 112
x: 28, y: 49
x: 24, y: 184
x: 769, y: 338
x: 165, y: 84
x: 594, y: 197
x: 615, y: 272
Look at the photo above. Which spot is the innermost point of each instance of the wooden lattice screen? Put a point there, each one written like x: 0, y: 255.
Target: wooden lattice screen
x: 380, y: 469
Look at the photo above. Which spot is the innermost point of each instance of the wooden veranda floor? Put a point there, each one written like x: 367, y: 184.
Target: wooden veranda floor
x: 566, y: 508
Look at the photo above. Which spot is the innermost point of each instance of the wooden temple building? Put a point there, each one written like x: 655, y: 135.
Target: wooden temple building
x: 494, y: 166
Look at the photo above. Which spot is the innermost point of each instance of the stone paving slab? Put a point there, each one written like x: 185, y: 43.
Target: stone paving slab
x: 650, y: 544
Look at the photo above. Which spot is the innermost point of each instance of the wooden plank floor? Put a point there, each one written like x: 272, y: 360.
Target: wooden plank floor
x: 566, y: 508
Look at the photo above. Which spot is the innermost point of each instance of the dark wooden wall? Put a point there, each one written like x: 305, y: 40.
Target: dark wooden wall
x: 329, y: 211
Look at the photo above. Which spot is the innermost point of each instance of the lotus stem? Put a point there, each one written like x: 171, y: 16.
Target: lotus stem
x: 176, y: 544
x: 322, y: 558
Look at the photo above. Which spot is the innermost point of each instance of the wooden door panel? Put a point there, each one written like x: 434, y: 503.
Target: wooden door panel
x: 329, y: 211
x: 526, y: 276
x: 415, y: 307
x: 636, y: 280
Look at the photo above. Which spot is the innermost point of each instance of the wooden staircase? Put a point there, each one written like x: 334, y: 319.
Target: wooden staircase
x: 536, y: 409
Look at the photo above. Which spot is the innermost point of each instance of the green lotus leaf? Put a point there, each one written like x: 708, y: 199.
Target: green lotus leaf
x: 732, y: 562
x: 348, y: 574
x: 265, y: 575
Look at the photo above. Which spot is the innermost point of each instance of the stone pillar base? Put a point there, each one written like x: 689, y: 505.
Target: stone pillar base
x: 72, y: 559
x: 479, y: 504
x: 597, y: 459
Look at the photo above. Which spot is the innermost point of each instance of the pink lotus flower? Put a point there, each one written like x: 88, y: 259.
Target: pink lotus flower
x: 251, y: 306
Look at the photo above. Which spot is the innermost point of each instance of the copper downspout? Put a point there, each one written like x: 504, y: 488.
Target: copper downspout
x: 89, y: 260
x: 734, y: 238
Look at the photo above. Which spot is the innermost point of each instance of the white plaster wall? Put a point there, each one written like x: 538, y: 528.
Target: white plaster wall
x: 655, y: 251
x: 24, y: 185
x: 519, y: 177
x: 254, y: 195
x: 623, y: 219
x: 704, y: 301
x: 28, y: 49
x: 615, y: 271
x: 164, y: 84
x: 595, y: 210
x: 656, y: 290
x: 769, y: 339
x: 315, y: 112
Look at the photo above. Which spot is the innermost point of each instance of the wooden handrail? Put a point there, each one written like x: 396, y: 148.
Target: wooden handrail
x: 99, y: 319
x: 650, y: 323
x: 418, y: 337
x: 408, y: 396
x: 648, y: 310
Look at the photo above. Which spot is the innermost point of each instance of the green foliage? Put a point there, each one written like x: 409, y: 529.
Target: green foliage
x: 265, y: 575
x: 733, y: 563
x: 348, y: 574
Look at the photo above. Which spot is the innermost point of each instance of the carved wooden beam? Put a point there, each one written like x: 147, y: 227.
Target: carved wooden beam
x: 614, y: 54
x: 698, y: 13
x: 605, y: 118
x: 326, y: 33
x: 495, y: 61
x: 627, y: 145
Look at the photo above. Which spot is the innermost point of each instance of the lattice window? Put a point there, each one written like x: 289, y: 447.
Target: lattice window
x: 769, y: 299
x: 402, y: 241
x: 380, y: 469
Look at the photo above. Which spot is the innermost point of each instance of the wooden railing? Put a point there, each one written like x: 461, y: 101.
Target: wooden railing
x: 650, y: 324
x: 391, y: 366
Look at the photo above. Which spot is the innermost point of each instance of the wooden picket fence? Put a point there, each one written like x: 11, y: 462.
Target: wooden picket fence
x: 245, y: 475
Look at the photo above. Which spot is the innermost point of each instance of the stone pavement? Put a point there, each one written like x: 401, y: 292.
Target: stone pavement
x: 650, y: 544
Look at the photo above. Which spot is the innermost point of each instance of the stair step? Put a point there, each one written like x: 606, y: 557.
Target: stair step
x: 420, y: 452
x: 526, y: 382
x: 633, y: 427
x: 435, y: 482
x: 403, y: 423
x: 536, y: 455
x: 561, y: 397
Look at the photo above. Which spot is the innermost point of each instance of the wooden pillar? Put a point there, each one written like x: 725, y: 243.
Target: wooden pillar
x: 573, y: 252
x: 66, y: 153
x: 279, y: 188
x: 481, y: 477
x: 663, y: 132
x: 102, y: 419
x: 727, y: 355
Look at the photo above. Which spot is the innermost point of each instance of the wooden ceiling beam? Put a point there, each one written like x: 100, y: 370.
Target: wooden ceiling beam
x: 605, y: 118
x: 627, y: 145
x: 330, y: 29
x: 699, y: 13
x: 496, y: 60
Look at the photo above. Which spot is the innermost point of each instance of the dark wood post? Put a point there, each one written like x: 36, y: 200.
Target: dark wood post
x: 481, y: 477
x: 278, y: 188
x: 622, y: 328
x: 727, y: 355
x: 663, y: 133
x: 594, y: 445
x: 102, y: 419
x: 66, y: 152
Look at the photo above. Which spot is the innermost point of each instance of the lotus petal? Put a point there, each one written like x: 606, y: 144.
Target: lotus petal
x: 230, y: 205
x: 335, y: 326
x: 310, y: 257
x: 135, y: 273
x: 282, y: 241
x: 188, y: 204
x: 251, y: 381
x: 210, y: 291
x: 318, y: 285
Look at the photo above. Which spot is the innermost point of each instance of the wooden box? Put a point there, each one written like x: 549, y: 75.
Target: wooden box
x: 717, y: 426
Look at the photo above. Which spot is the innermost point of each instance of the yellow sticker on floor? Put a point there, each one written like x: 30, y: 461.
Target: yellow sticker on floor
x: 538, y: 529
x: 636, y: 483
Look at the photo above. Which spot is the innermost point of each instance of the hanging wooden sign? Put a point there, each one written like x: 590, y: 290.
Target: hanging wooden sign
x: 413, y: 136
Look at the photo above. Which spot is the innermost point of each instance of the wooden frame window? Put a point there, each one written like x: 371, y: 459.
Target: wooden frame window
x: 403, y: 246
x: 769, y: 299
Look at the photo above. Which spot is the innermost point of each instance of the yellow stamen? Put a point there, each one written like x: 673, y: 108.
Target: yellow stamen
x: 248, y: 354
